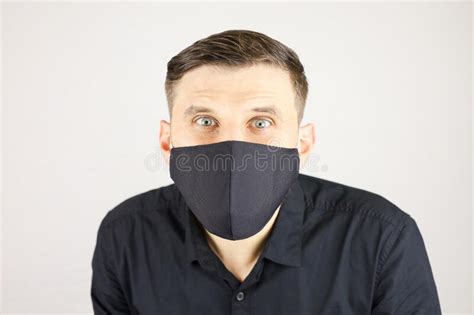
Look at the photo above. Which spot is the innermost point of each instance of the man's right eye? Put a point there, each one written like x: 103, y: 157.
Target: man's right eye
x: 205, y: 121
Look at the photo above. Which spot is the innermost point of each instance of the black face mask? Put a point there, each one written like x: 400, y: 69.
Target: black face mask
x: 234, y: 187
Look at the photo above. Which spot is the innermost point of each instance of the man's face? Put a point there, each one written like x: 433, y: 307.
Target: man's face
x: 253, y: 104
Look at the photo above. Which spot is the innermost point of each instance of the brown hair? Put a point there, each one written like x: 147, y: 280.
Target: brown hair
x: 238, y: 48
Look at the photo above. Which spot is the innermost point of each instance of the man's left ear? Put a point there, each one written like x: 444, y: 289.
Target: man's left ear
x: 306, y: 141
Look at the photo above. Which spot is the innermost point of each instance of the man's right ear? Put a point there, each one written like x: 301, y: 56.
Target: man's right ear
x: 165, y: 140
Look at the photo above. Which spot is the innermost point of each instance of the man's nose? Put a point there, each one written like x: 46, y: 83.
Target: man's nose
x: 233, y: 132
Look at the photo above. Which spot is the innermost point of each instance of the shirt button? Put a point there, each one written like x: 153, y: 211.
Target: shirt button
x: 240, y: 296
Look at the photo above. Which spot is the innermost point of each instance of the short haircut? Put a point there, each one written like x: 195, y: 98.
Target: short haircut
x: 238, y: 48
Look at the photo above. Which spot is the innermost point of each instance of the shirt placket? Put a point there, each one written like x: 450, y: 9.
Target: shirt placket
x: 240, y: 292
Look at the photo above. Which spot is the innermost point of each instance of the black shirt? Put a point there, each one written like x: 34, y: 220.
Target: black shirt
x: 334, y: 249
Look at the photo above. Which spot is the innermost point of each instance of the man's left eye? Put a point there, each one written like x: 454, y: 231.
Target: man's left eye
x: 261, y: 123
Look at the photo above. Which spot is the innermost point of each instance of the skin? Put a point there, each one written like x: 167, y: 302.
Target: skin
x: 214, y: 104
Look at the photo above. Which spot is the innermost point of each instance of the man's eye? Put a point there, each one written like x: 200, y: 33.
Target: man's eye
x: 261, y: 123
x: 205, y: 121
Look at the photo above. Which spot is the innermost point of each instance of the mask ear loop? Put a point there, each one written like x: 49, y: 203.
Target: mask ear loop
x: 298, y: 141
x: 171, y: 144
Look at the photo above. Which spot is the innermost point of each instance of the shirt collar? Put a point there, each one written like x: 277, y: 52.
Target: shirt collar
x: 285, y: 241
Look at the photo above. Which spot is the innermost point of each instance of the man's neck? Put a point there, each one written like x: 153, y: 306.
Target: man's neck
x: 240, y: 256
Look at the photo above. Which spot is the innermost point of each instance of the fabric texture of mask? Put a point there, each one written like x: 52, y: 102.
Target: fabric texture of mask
x: 234, y: 187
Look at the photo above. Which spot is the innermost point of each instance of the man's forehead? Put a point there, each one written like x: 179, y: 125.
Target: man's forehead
x: 251, y: 81
x: 255, y: 85
x: 240, y: 95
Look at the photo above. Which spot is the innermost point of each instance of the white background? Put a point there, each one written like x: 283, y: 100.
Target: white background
x: 390, y: 94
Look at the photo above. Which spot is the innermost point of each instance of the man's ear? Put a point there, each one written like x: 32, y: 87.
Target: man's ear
x: 165, y: 140
x: 306, y: 141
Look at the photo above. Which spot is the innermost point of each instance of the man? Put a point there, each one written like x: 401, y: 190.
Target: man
x: 252, y: 239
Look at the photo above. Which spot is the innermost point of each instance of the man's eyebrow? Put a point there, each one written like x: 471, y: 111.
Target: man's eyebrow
x: 271, y: 109
x: 194, y: 109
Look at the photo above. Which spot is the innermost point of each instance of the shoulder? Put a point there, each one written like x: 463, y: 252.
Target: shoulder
x: 332, y: 197
x: 157, y: 199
